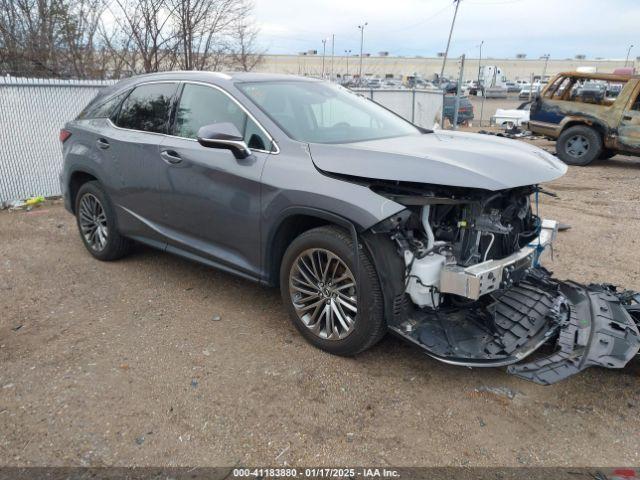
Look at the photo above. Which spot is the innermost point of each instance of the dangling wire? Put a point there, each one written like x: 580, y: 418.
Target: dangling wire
x: 539, y: 247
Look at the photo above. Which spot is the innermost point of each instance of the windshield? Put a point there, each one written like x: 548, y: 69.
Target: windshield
x: 317, y: 112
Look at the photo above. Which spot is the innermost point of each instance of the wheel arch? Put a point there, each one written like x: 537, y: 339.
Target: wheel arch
x: 77, y: 178
x: 293, y: 222
x: 585, y: 122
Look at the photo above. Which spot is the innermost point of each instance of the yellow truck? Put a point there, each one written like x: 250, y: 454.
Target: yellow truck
x: 590, y: 115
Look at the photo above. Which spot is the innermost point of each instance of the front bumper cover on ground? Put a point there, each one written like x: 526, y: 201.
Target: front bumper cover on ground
x: 578, y: 326
x: 600, y: 331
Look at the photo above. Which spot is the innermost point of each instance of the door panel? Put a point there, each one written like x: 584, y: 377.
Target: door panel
x: 212, y: 203
x: 629, y: 129
x: 211, y: 199
x: 138, y: 200
x: 134, y: 143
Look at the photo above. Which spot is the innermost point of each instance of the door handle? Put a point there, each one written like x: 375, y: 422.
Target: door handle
x: 627, y: 117
x: 171, y: 157
x: 102, y: 143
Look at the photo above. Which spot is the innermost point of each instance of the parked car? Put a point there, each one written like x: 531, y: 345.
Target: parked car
x: 392, y: 83
x: 590, y: 92
x: 374, y: 83
x: 465, y: 109
x: 449, y: 86
x: 509, y: 118
x: 529, y: 90
x: 474, y: 87
x: 613, y: 90
x: 366, y: 222
x: 512, y: 87
x: 588, y: 125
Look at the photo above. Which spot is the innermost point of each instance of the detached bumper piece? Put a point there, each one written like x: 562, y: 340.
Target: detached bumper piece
x: 601, y: 331
x: 576, y: 327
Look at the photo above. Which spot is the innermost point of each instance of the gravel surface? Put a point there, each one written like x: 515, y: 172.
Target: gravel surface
x: 153, y: 360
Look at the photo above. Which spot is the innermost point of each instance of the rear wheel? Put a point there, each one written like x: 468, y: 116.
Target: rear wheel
x: 97, y: 224
x: 334, y: 308
x: 579, y: 145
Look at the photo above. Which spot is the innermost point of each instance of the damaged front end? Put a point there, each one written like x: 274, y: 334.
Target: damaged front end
x: 471, y: 291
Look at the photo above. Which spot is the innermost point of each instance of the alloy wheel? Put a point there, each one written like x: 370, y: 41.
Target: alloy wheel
x: 324, y: 293
x: 93, y: 222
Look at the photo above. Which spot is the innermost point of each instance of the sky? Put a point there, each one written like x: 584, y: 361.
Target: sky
x: 561, y: 28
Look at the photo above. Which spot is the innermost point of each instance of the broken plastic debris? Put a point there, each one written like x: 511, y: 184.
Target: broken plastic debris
x: 20, y: 204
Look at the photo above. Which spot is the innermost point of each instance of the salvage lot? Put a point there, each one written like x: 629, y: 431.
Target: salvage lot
x: 154, y: 360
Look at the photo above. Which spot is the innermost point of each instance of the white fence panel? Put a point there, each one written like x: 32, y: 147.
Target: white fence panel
x: 421, y: 107
x: 32, y: 112
x: 428, y: 108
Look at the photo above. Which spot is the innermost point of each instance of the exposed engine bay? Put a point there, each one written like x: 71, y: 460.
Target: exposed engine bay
x: 478, y: 295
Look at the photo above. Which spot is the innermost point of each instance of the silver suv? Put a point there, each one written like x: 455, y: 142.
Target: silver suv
x: 366, y: 222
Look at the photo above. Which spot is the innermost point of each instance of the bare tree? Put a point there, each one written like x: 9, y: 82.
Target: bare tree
x: 114, y: 38
x: 141, y: 36
x: 29, y: 36
x: 49, y: 37
x: 204, y: 28
x: 244, y: 55
x: 78, y: 32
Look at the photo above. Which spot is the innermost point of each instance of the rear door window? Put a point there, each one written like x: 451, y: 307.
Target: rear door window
x: 147, y: 108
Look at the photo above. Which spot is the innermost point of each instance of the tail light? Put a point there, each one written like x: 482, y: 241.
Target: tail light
x: 64, y: 135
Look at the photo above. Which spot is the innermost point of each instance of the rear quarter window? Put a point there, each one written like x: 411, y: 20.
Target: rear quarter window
x: 103, y: 108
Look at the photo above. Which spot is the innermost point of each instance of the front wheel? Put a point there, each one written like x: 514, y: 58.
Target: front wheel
x: 579, y: 145
x: 334, y: 308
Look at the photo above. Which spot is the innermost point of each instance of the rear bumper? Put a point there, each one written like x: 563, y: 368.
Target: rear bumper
x: 65, y: 193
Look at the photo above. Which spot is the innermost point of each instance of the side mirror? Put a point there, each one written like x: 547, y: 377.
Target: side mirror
x: 224, y: 135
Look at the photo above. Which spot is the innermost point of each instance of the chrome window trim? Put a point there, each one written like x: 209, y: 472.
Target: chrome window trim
x: 132, y: 88
x: 181, y: 82
x: 276, y: 149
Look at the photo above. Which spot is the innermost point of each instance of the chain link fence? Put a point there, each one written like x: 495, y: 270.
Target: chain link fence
x: 32, y: 112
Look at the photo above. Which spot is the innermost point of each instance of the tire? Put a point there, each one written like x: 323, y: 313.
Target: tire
x: 607, y: 154
x: 368, y: 325
x: 579, y: 145
x: 106, y: 243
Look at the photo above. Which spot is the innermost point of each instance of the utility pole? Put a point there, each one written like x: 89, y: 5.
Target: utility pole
x: 324, y: 47
x: 481, y: 87
x: 361, y: 27
x: 347, y: 53
x: 457, y: 101
x: 480, y: 62
x: 446, y: 52
x: 544, y: 70
x: 333, y: 44
x: 628, y: 52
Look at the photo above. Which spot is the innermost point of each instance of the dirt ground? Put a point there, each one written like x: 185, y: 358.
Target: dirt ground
x: 127, y: 363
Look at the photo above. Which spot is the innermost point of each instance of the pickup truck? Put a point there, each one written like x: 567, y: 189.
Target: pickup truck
x: 587, y: 127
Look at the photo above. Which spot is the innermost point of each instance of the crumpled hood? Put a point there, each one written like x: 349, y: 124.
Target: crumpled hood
x: 442, y: 158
